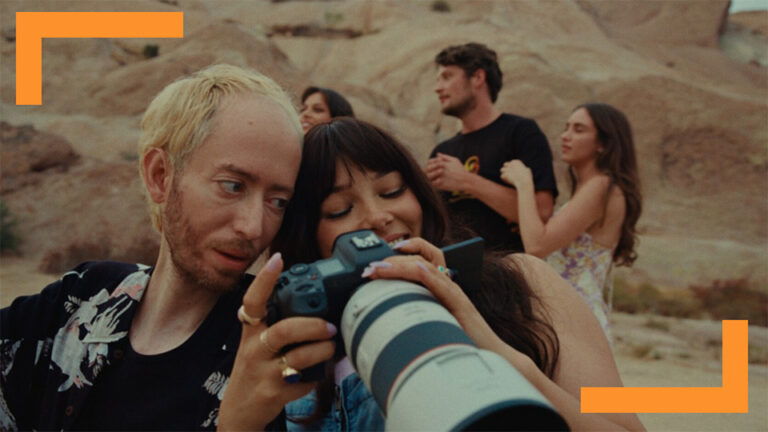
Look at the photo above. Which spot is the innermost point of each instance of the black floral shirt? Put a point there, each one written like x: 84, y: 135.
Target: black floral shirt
x: 54, y: 346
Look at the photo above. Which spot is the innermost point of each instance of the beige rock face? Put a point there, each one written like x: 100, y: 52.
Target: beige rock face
x: 699, y: 115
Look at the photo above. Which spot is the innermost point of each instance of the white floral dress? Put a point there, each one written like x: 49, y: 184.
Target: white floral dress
x: 586, y: 265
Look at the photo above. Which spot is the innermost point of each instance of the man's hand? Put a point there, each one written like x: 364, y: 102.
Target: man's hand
x: 256, y: 391
x: 446, y: 173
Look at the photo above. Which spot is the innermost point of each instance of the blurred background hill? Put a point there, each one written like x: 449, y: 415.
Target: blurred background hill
x: 691, y: 78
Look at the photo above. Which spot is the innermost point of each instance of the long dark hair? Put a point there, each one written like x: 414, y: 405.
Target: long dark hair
x: 506, y: 300
x: 619, y: 162
x: 338, y: 106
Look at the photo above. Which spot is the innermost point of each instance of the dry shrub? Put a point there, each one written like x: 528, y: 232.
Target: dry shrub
x: 440, y: 6
x: 733, y: 299
x: 758, y: 354
x: 57, y: 261
x: 142, y: 250
x: 9, y: 236
x: 680, y: 304
x: 635, y: 299
x: 656, y: 325
x: 641, y: 351
x: 725, y: 299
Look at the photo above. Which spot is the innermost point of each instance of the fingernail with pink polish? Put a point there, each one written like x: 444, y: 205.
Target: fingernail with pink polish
x: 274, y: 262
x: 401, y: 243
x: 368, y: 271
x: 331, y: 328
x: 373, y: 266
x: 422, y: 266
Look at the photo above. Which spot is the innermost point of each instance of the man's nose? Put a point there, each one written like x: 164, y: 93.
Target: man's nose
x: 250, y: 219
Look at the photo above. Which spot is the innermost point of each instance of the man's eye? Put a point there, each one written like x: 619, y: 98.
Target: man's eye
x: 394, y: 193
x: 338, y: 214
x: 231, y: 186
x: 279, y: 203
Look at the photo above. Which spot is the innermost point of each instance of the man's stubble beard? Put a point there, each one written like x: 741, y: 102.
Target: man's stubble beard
x: 187, y: 251
x: 462, y: 107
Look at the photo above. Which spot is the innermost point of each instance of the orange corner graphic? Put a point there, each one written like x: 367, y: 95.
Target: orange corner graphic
x: 731, y: 397
x: 32, y: 27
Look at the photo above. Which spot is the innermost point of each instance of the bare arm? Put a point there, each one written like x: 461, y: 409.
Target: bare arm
x: 448, y: 174
x: 585, y: 357
x: 583, y: 210
x: 504, y: 200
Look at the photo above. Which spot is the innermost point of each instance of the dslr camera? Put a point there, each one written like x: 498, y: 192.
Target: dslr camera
x: 423, y: 370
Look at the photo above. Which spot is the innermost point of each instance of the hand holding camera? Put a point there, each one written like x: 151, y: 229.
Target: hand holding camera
x: 407, y: 348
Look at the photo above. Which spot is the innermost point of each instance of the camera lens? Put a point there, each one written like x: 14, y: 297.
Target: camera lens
x: 425, y: 373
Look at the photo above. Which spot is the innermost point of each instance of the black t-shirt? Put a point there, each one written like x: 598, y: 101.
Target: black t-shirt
x: 484, y: 151
x: 161, y: 392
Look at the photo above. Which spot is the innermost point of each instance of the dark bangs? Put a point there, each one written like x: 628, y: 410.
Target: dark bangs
x: 358, y: 145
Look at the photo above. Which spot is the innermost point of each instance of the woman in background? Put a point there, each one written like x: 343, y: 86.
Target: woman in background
x: 320, y: 104
x: 596, y: 228
x: 355, y: 176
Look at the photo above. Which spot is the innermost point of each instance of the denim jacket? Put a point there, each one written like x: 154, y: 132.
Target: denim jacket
x: 355, y: 409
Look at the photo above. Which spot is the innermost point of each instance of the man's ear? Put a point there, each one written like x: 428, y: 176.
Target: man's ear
x: 158, y: 174
x: 478, y: 78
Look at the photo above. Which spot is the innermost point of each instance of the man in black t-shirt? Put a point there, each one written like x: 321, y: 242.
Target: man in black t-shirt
x: 467, y: 167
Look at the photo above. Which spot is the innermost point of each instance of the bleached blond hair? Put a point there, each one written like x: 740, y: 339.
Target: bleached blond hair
x: 180, y: 117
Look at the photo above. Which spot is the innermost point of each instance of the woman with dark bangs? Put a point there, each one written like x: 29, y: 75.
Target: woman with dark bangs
x: 355, y: 176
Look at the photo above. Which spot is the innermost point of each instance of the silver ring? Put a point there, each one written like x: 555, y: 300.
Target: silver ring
x: 290, y: 375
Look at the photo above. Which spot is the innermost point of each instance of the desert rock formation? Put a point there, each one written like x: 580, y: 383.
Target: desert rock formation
x: 699, y: 109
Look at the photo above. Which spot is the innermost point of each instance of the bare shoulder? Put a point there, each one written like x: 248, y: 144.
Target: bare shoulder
x: 580, y: 335
x: 559, y: 298
x: 545, y: 282
x: 616, y: 207
x: 599, y: 182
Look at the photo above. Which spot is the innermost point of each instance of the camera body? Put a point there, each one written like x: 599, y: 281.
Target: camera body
x: 322, y: 288
x: 407, y: 348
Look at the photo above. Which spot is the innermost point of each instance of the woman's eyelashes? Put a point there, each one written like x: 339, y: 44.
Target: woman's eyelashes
x: 394, y: 193
x: 345, y: 209
x: 338, y: 214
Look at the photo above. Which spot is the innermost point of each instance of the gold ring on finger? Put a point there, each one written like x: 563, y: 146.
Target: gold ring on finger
x: 290, y: 375
x: 246, y: 319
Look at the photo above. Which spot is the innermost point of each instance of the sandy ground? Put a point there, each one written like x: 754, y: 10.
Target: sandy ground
x: 650, y: 351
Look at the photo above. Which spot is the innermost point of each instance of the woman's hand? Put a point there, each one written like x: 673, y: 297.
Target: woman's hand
x: 256, y: 392
x: 422, y: 266
x: 516, y: 173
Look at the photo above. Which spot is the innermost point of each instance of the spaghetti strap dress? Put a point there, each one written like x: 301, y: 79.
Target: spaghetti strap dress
x: 587, y: 266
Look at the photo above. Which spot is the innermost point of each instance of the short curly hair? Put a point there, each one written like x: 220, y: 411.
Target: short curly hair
x: 473, y: 56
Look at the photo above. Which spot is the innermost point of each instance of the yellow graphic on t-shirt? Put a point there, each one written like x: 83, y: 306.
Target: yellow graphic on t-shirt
x: 472, y: 164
